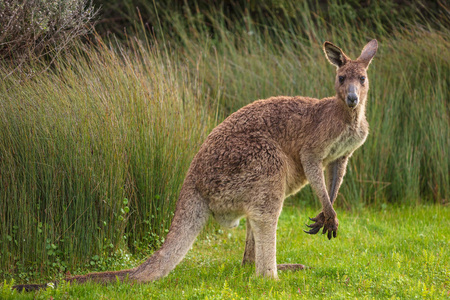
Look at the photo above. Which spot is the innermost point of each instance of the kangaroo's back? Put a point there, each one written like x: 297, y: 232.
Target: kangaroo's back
x: 263, y: 138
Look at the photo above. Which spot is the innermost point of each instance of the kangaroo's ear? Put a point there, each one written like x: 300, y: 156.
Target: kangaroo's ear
x: 335, y: 54
x: 368, y: 52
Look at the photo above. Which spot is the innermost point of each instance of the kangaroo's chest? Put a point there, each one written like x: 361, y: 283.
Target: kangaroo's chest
x: 344, y: 145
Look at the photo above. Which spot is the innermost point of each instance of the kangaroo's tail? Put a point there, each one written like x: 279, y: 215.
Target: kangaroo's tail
x: 102, y: 277
x: 190, y: 216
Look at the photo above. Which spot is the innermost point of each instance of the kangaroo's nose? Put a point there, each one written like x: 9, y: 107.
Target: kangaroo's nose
x: 352, y: 99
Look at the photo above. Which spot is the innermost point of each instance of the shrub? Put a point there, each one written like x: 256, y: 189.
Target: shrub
x: 34, y: 28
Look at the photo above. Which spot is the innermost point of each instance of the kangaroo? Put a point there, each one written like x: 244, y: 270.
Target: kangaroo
x: 257, y: 157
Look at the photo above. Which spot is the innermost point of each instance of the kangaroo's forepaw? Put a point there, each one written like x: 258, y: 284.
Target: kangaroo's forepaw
x: 330, y: 225
x: 319, y: 222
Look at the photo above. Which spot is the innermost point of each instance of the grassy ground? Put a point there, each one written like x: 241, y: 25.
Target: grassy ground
x: 399, y: 252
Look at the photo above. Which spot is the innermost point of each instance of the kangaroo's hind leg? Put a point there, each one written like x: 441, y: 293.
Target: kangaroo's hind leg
x: 262, y: 216
x: 261, y: 246
x: 249, y: 252
x: 264, y: 231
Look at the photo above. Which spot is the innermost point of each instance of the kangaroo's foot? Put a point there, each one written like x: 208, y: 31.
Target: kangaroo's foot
x: 292, y: 267
x: 29, y: 287
x: 329, y: 225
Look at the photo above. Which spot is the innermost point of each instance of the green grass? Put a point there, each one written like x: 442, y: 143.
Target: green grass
x: 390, y: 253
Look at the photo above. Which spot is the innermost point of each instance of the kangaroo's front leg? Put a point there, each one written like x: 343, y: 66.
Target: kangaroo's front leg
x: 328, y: 220
x: 335, y: 173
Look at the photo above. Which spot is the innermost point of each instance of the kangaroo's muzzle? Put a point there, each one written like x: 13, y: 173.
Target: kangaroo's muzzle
x: 352, y: 100
x: 352, y: 97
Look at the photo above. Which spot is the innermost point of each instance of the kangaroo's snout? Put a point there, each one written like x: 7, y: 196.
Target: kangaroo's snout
x: 352, y: 96
x: 352, y: 100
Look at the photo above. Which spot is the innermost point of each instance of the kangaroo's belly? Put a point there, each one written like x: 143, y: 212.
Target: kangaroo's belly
x: 295, y: 176
x: 228, y: 219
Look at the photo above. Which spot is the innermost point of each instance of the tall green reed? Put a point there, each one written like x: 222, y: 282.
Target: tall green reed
x: 85, y: 150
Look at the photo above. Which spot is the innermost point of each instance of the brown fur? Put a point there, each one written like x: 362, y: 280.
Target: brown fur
x: 257, y: 157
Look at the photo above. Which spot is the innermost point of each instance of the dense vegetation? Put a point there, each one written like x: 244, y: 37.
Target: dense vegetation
x: 94, y: 149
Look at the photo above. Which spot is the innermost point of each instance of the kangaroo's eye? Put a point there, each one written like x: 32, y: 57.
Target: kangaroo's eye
x: 362, y: 79
x: 341, y: 79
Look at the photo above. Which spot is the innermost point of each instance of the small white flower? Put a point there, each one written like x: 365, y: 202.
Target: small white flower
x: 51, y: 285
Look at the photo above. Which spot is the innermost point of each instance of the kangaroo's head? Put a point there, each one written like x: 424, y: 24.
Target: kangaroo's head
x: 351, y: 79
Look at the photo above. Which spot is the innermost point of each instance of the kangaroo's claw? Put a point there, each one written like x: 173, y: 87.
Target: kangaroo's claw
x: 329, y: 233
x: 313, y: 230
x: 318, y: 223
x: 329, y: 225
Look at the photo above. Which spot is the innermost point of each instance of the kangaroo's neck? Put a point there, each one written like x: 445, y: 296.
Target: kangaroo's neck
x: 355, y: 117
x: 360, y: 113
